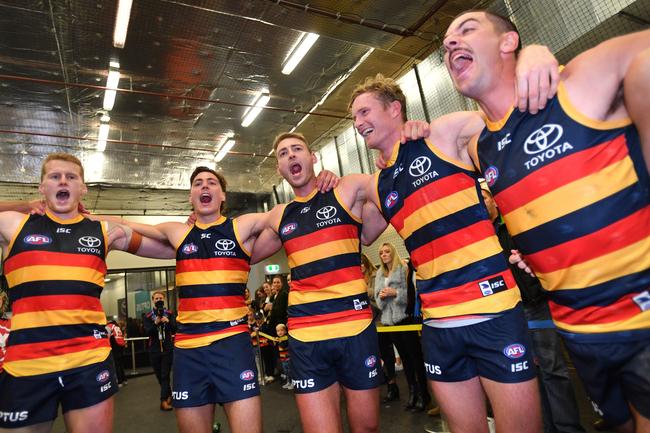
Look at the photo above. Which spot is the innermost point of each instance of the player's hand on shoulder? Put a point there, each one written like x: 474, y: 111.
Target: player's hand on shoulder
x: 326, y: 181
x: 414, y: 129
x: 537, y: 78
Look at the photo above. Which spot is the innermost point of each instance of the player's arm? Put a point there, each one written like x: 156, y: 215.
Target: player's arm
x: 637, y: 89
x: 593, y: 79
x: 374, y: 223
x: 37, y: 206
x: 9, y: 223
x: 124, y: 238
x: 161, y: 232
x: 268, y: 242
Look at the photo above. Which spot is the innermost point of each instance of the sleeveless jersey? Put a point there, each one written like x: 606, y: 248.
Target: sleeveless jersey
x: 328, y: 297
x: 55, y: 270
x: 435, y: 205
x: 211, y: 273
x: 575, y: 194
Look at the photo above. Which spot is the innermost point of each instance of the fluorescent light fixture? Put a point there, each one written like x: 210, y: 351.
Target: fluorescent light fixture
x: 224, y: 149
x: 299, y: 50
x: 104, y: 128
x: 224, y: 140
x: 333, y: 86
x: 260, y: 101
x: 122, y: 23
x: 111, y: 83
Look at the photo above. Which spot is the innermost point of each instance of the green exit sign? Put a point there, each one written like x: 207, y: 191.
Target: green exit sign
x: 272, y: 269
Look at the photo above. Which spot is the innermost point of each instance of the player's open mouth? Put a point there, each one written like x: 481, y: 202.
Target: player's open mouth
x: 366, y: 132
x: 63, y: 195
x: 460, y: 61
x: 295, y: 169
x: 205, y: 198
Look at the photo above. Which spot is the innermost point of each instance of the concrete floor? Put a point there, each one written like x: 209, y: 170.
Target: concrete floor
x: 137, y: 411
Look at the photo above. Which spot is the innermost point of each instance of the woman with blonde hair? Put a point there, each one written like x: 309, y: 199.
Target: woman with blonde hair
x: 391, y: 294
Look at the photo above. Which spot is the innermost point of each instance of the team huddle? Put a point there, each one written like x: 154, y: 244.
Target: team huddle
x: 569, y: 175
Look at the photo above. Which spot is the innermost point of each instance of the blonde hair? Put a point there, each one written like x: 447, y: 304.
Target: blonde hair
x: 394, y: 263
x: 385, y: 89
x: 285, y: 135
x: 61, y: 156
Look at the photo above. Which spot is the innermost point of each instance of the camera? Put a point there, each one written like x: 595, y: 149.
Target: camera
x: 160, y: 308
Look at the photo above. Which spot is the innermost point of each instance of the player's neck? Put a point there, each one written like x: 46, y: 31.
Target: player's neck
x: 387, y: 145
x: 499, y: 99
x: 62, y: 215
x: 208, y: 218
x: 306, y: 189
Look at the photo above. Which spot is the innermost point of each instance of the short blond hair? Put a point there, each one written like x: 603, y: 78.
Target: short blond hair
x: 385, y: 89
x: 285, y: 135
x: 61, y: 156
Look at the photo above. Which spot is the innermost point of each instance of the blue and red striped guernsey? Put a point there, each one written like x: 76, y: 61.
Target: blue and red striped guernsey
x: 211, y: 273
x: 575, y: 195
x: 55, y: 270
x: 435, y: 205
x: 328, y: 296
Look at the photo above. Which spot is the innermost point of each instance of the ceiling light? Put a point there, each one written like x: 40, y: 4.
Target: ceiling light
x: 224, y: 149
x: 104, y: 128
x: 122, y: 23
x: 111, y: 84
x: 299, y: 50
x: 224, y: 140
x: 260, y: 101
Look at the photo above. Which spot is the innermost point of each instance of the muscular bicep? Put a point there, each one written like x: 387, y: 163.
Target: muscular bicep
x: 266, y: 244
x: 374, y: 223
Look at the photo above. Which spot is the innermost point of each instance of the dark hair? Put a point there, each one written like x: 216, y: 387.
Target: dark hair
x: 501, y: 23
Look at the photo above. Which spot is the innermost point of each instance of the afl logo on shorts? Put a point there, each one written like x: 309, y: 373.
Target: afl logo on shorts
x: 247, y: 375
x: 514, y: 351
x: 190, y: 249
x: 288, y: 228
x: 491, y: 175
x: 371, y: 361
x: 103, y: 376
x: 391, y: 199
x: 37, y: 240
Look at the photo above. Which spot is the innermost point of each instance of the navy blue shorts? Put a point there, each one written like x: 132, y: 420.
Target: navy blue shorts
x: 613, y: 375
x: 498, y: 349
x: 221, y: 372
x: 351, y: 361
x: 28, y: 400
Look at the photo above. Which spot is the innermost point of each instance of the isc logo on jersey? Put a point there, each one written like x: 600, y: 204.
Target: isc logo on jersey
x: 190, y: 249
x: 419, y: 168
x: 89, y: 244
x: 544, y: 144
x: 492, y: 286
x: 288, y: 228
x: 37, y: 240
x: 224, y: 247
x: 327, y: 216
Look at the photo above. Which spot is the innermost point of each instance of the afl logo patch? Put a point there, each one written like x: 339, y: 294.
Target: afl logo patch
x: 37, y: 240
x: 491, y: 175
x: 371, y: 361
x: 288, y: 228
x: 247, y: 375
x: 391, y: 199
x: 190, y: 249
x: 103, y: 376
x: 514, y: 351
